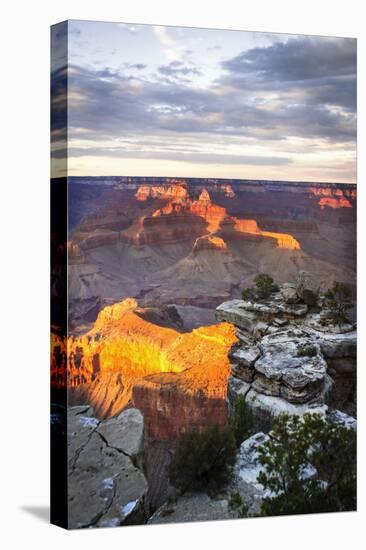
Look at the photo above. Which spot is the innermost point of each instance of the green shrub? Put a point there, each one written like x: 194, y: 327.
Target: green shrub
x: 264, y: 287
x: 338, y: 302
x: 241, y: 422
x: 309, y: 465
x: 248, y: 295
x: 307, y: 351
x: 235, y: 501
x: 203, y: 460
x: 236, y: 504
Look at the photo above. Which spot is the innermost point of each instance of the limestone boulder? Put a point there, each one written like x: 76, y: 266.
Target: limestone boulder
x: 336, y: 346
x: 307, y: 288
x: 236, y: 313
x: 246, y: 470
x: 243, y: 360
x: 289, y: 294
x: 285, y: 370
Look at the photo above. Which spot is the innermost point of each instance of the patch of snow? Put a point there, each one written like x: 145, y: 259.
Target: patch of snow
x: 88, y: 421
x: 129, y: 507
x: 108, y: 483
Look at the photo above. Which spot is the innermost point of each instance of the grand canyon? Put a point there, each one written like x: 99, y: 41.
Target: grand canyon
x: 150, y: 260
x: 203, y: 274
x: 194, y: 243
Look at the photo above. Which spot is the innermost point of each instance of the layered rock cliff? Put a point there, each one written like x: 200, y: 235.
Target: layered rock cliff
x: 214, y: 215
x: 135, y: 237
x: 286, y: 360
x: 172, y: 377
x: 333, y: 197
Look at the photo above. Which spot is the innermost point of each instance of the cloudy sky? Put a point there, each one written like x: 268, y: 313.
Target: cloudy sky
x: 168, y: 101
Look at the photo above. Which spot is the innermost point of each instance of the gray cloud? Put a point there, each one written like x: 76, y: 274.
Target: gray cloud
x: 298, y: 59
x: 119, y: 103
x: 164, y: 154
x: 302, y: 88
x: 322, y: 69
x: 177, y: 68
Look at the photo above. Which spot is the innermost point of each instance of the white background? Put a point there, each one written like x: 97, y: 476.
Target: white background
x: 24, y: 302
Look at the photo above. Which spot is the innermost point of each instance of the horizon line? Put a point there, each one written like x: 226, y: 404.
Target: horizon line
x: 315, y: 182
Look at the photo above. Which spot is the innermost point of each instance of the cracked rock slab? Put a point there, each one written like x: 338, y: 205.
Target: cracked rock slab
x: 105, y: 488
x: 125, y: 432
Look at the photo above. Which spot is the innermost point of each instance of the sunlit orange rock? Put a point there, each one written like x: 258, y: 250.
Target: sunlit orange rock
x: 214, y: 215
x: 246, y: 226
x: 334, y: 198
x: 103, y: 366
x: 284, y: 240
x: 334, y: 202
x: 209, y: 242
x: 152, y: 191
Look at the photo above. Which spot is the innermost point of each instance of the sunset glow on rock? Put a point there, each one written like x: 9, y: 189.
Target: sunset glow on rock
x: 105, y: 363
x: 209, y: 242
x: 334, y: 202
x: 214, y: 215
x: 334, y: 198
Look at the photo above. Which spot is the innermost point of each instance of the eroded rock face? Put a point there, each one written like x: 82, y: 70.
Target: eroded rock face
x: 295, y: 377
x: 265, y: 407
x: 172, y: 407
x: 307, y: 288
x: 289, y: 293
x: 106, y: 486
x: 285, y: 359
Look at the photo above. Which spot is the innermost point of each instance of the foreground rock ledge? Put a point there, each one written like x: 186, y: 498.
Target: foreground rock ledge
x: 106, y: 486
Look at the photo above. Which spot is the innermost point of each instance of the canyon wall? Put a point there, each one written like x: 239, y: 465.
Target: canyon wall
x: 158, y: 239
x: 126, y: 359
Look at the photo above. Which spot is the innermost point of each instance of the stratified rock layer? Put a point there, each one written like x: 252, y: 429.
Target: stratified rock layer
x: 285, y: 359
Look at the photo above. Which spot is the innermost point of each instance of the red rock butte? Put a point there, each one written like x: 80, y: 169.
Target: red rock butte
x: 214, y: 215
